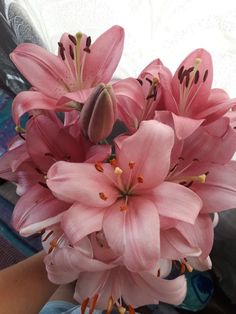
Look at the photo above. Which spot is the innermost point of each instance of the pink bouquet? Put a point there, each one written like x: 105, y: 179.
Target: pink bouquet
x: 123, y: 178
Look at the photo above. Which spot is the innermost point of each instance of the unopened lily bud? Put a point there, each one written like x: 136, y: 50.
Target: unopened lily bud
x: 98, y: 114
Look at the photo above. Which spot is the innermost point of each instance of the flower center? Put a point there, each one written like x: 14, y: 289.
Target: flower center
x: 125, y: 186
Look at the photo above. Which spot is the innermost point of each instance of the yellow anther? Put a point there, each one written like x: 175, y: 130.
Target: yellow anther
x: 109, y: 305
x: 121, y: 310
x: 202, y: 178
x: 118, y: 171
x: 19, y: 129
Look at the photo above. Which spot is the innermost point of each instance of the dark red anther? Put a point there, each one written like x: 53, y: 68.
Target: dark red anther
x: 148, y: 79
x: 180, y: 72
x: 43, y: 184
x: 205, y: 75
x: 187, y: 80
x: 88, y: 41
x: 72, y: 52
x: 39, y: 171
x: 21, y: 136
x: 189, y: 184
x: 88, y: 44
x: 72, y: 39
x: 196, y: 77
x: 206, y: 173
x: 47, y: 236
x: 140, y: 81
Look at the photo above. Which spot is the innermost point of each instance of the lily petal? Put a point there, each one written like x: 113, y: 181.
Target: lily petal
x: 103, y: 59
x: 177, y: 202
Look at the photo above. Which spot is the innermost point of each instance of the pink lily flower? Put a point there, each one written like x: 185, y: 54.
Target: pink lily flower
x: 132, y: 193
x: 188, y: 95
x: 62, y: 82
x: 46, y: 141
x: 101, y: 278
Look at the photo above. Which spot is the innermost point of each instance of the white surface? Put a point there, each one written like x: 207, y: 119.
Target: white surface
x: 156, y: 28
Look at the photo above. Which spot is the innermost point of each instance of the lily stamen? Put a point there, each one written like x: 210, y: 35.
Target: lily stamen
x: 84, y: 305
x: 109, y: 305
x: 94, y: 302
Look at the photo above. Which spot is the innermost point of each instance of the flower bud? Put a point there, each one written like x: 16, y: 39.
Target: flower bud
x: 98, y: 114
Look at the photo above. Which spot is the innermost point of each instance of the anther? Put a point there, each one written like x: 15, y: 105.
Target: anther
x: 123, y: 208
x: 88, y: 43
x: 140, y: 179
x: 92, y: 307
x: 113, y: 162
x: 182, y: 268
x: 109, y: 305
x: 53, y: 245
x: 159, y: 272
x: 205, y: 75
x: 140, y: 81
x: 21, y: 136
x: 39, y: 170
x: 196, y: 77
x: 206, y: 173
x: 187, y: 80
x: 121, y: 310
x: 84, y: 305
x: 62, y: 50
x: 180, y: 72
x: 131, y: 309
x: 47, y: 236
x: 43, y: 184
x: 99, y: 167
x: 72, y: 39
x: 103, y: 196
x: 19, y: 129
x: 118, y: 171
x: 72, y: 52
x: 148, y: 79
x: 131, y: 164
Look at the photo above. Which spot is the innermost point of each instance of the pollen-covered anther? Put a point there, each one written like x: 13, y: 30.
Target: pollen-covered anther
x: 140, y: 179
x: 201, y: 178
x: 113, y: 162
x: 53, y: 245
x: 121, y: 310
x: 103, y: 196
x: 118, y: 171
x: 123, y: 208
x: 84, y: 305
x: 110, y: 303
x: 131, y: 164
x: 131, y: 309
x: 99, y: 167
x: 93, y: 305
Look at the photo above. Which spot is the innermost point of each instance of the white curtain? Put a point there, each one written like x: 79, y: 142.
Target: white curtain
x: 154, y: 28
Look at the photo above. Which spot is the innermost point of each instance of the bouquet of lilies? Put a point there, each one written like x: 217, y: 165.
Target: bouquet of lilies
x: 122, y: 178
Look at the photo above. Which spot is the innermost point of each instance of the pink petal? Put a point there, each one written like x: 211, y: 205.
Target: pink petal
x: 47, y: 142
x: 185, y: 126
x: 26, y: 101
x: 175, y: 246
x: 74, y: 99
x: 124, y: 236
x: 103, y: 59
x: 217, y: 136
x: 144, y: 288
x: 45, y: 71
x: 98, y: 153
x: 36, y: 205
x: 199, y: 263
x: 79, y: 221
x: 158, y: 140
x: 130, y: 102
x: 218, y: 192
x: 196, y: 234
x: 177, y: 202
x: 82, y: 183
x: 64, y: 265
